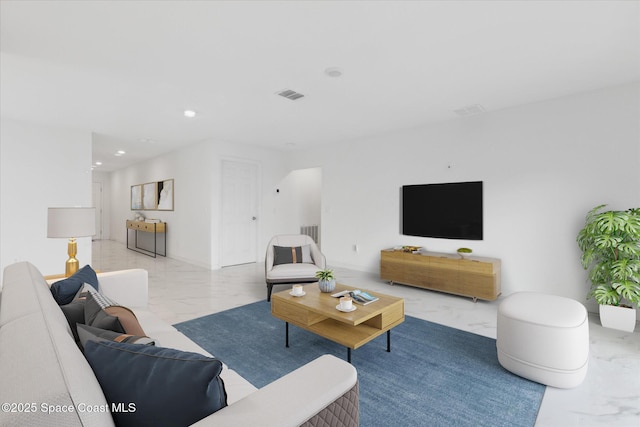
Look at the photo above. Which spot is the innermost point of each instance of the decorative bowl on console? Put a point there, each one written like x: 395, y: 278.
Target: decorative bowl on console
x: 464, y: 252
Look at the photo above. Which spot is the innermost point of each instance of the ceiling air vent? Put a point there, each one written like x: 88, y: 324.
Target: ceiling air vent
x: 470, y: 110
x: 290, y: 94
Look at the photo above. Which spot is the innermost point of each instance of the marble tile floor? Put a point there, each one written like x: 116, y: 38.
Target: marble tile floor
x: 610, y: 395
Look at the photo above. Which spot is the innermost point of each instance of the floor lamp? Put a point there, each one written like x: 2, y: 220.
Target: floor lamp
x: 71, y: 223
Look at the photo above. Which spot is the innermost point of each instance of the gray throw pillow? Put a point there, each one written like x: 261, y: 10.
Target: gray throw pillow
x: 95, y: 316
x: 292, y: 255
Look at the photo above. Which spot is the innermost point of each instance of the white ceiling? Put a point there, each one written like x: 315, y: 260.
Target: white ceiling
x: 127, y: 70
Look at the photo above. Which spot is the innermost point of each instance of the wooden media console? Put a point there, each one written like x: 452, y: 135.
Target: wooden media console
x: 475, y: 277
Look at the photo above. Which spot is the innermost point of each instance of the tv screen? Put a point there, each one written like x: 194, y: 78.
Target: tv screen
x: 449, y: 211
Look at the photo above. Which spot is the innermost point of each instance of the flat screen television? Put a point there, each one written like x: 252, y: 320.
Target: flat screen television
x: 448, y: 211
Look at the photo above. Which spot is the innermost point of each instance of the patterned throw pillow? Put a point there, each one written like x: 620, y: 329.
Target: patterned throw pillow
x: 102, y: 300
x: 292, y: 254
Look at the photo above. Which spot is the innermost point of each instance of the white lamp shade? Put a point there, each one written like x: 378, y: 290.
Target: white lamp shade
x: 71, y: 222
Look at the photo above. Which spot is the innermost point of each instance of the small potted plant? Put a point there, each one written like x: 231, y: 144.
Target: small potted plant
x: 610, y: 244
x: 326, y: 280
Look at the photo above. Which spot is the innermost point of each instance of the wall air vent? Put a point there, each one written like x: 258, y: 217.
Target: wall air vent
x: 470, y: 110
x: 290, y: 94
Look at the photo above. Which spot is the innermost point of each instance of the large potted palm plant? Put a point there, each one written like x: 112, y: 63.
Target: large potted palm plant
x: 610, y: 244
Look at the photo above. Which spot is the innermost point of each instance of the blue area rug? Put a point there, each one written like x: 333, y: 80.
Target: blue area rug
x: 433, y: 376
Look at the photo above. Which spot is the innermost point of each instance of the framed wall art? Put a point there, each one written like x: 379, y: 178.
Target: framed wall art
x: 136, y: 197
x: 165, y: 195
x: 149, y: 196
x: 152, y: 196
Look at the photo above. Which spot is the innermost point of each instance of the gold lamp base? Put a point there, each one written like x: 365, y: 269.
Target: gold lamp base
x: 72, y: 264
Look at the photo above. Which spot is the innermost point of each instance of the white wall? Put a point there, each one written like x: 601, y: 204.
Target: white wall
x: 543, y: 165
x: 41, y: 167
x: 194, y: 226
x: 537, y: 162
x: 301, y: 191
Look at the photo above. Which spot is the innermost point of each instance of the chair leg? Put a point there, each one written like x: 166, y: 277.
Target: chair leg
x: 269, y: 289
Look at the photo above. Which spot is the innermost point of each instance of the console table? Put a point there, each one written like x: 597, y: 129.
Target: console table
x: 148, y: 227
x: 475, y: 277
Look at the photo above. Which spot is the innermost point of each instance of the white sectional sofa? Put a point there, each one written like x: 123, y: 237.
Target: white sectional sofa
x: 46, y: 380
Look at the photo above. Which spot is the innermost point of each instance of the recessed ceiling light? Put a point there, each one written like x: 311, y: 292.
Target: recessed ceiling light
x: 189, y: 113
x: 333, y: 72
x: 98, y: 163
x: 119, y: 153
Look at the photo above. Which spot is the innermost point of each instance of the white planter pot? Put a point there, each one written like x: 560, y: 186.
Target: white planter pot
x: 621, y: 318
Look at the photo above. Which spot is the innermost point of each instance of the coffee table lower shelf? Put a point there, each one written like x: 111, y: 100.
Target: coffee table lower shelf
x: 316, y: 313
x: 348, y: 348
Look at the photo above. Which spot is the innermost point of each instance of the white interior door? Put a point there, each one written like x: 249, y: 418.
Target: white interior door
x: 97, y: 203
x: 239, y: 212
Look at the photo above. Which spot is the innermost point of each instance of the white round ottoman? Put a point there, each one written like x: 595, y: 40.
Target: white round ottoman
x: 544, y: 338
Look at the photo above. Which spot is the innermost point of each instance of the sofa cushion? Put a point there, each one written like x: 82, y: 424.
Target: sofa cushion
x: 167, y: 386
x: 287, y: 271
x: 152, y: 324
x: 64, y: 291
x: 95, y: 316
x: 89, y: 333
x: 291, y: 254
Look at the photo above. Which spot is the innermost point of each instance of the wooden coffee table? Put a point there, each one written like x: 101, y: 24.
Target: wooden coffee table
x: 316, y: 312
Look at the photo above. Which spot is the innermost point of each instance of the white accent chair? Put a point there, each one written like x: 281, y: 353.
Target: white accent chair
x: 300, y: 272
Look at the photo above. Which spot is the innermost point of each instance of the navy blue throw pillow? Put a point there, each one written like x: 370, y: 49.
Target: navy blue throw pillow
x: 155, y: 385
x: 64, y: 291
